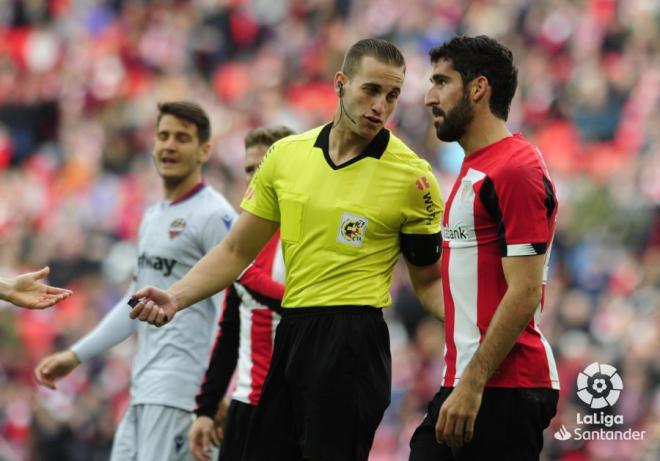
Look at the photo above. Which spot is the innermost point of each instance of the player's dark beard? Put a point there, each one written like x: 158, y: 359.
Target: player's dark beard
x: 455, y: 122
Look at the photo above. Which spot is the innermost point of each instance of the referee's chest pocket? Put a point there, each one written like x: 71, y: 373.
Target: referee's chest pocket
x: 292, y: 211
x: 349, y: 228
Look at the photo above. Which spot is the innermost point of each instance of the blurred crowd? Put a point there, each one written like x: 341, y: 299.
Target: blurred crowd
x: 79, y: 83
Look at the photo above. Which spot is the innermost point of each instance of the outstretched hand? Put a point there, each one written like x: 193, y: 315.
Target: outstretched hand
x: 27, y: 291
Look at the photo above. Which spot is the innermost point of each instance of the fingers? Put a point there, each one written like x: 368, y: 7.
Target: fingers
x: 200, y: 437
x: 48, y: 301
x: 196, y: 445
x: 60, y: 292
x: 206, y: 444
x: 147, y: 310
x: 152, y: 316
x: 138, y: 307
x: 440, y: 426
x: 456, y: 432
x: 55, y: 367
x: 42, y: 375
x: 41, y: 273
x: 469, y: 428
x: 142, y: 293
x: 214, y: 436
x: 453, y: 429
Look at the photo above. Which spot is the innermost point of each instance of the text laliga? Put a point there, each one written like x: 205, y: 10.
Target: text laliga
x: 600, y: 418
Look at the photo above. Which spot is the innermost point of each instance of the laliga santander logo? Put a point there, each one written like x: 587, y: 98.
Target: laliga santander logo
x: 599, y: 385
x: 563, y: 434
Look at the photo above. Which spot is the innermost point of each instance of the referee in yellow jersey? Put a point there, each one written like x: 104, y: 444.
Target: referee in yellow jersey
x: 348, y: 197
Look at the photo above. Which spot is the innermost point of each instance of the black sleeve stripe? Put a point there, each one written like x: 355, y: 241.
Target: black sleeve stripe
x: 550, y: 197
x: 540, y: 248
x: 223, y: 358
x: 421, y: 249
x: 271, y: 303
x: 489, y: 198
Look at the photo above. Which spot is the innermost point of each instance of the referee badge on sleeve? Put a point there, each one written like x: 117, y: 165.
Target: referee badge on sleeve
x: 352, y: 229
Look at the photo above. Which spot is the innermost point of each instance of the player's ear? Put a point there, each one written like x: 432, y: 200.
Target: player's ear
x: 205, y: 152
x: 478, y: 88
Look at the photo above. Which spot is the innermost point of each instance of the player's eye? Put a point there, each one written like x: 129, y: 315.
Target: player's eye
x: 250, y: 169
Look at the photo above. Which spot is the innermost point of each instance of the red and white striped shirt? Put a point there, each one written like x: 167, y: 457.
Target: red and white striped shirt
x: 502, y: 204
x: 258, y: 321
x: 246, y: 333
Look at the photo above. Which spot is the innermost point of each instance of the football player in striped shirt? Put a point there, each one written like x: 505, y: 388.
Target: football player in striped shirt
x: 500, y: 384
x: 247, y: 331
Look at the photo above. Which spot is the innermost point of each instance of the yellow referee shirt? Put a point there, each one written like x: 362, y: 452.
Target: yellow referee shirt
x: 340, y: 225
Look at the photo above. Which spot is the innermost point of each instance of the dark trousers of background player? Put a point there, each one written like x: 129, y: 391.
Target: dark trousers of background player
x: 509, y: 427
x: 239, y: 416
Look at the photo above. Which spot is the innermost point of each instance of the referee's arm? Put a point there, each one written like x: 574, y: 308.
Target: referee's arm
x: 422, y: 255
x: 214, y: 272
x: 428, y: 287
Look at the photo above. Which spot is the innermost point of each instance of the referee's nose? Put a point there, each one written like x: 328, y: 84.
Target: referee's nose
x: 378, y: 106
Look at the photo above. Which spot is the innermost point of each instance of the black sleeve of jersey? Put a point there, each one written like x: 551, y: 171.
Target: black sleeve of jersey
x: 223, y: 358
x: 271, y: 303
x: 421, y: 250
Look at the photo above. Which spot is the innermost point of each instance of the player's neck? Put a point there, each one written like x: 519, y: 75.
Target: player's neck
x: 483, y: 132
x: 175, y: 191
x: 344, y: 144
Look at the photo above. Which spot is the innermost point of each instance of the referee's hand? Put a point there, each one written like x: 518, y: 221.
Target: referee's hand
x: 152, y: 305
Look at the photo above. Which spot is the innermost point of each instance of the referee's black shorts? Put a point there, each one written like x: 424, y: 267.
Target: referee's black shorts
x: 509, y: 427
x: 327, y: 388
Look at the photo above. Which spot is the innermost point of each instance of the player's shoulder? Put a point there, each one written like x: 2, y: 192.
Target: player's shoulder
x: 211, y: 202
x: 523, y: 151
x: 212, y: 207
x: 405, y: 157
x: 151, y: 210
x: 521, y: 158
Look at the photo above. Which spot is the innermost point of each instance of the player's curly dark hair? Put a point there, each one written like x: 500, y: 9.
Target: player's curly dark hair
x: 482, y: 55
x: 190, y: 112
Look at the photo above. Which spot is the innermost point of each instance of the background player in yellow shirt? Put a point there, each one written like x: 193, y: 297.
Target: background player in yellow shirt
x: 349, y: 197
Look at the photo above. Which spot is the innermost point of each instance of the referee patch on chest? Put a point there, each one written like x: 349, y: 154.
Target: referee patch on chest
x: 352, y: 229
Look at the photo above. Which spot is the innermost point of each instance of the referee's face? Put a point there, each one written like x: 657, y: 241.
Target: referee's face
x: 370, y: 96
